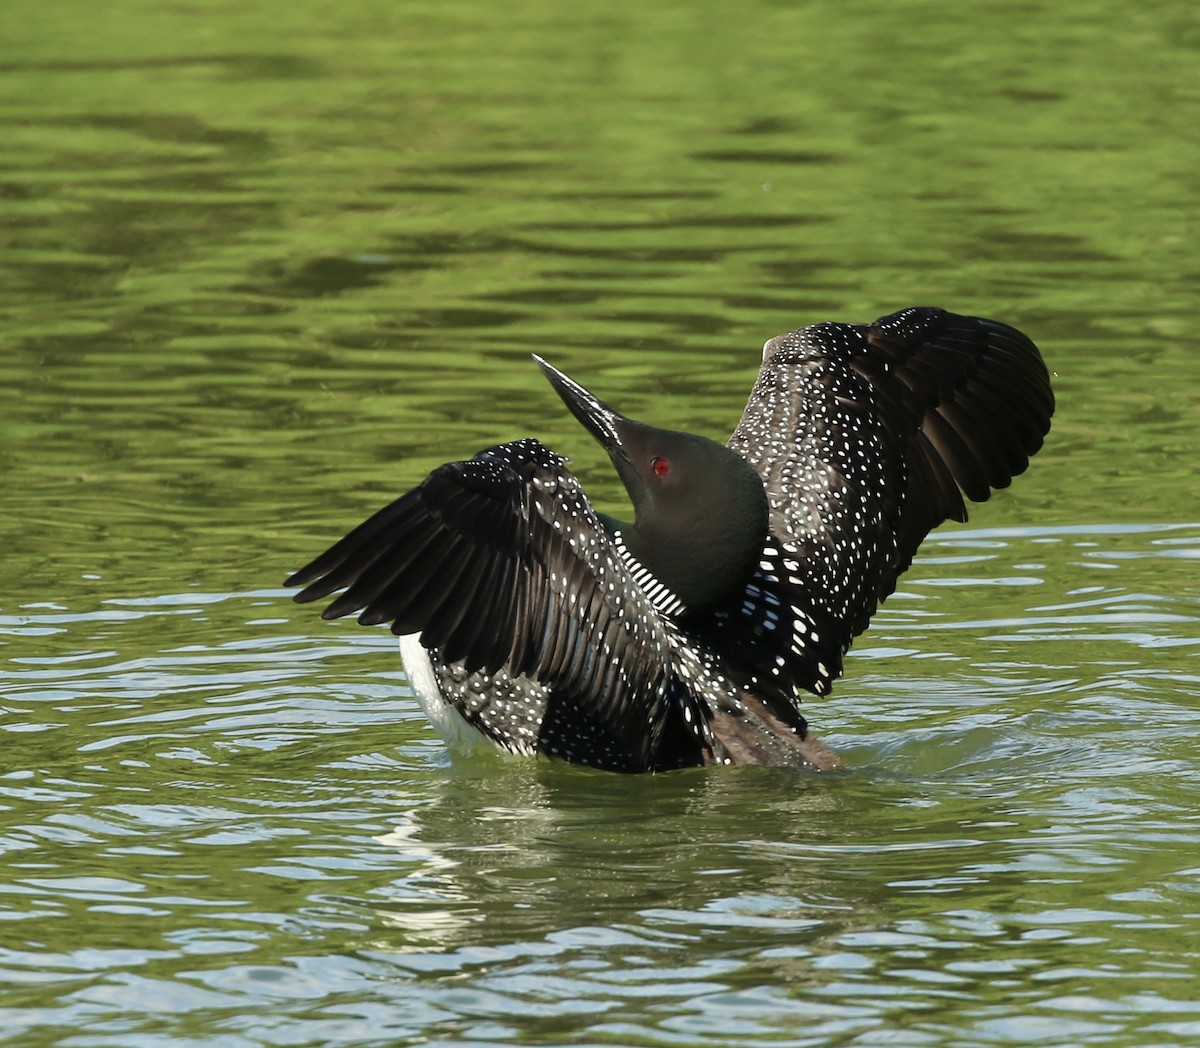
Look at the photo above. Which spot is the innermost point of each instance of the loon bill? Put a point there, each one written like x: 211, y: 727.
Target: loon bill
x: 532, y: 623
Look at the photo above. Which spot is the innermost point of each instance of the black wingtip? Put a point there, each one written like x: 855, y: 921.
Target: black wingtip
x: 304, y: 577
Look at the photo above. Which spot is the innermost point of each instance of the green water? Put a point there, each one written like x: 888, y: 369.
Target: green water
x: 263, y: 265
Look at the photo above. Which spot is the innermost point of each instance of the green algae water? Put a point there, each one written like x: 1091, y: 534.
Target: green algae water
x: 262, y: 266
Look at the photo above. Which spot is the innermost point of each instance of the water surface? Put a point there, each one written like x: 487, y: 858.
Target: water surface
x: 261, y: 268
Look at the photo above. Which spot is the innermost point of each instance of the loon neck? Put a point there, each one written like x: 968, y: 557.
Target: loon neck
x: 704, y: 561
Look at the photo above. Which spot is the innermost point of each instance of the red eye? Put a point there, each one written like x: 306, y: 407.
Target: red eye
x: 660, y: 466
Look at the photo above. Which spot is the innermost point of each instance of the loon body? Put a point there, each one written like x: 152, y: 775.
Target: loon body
x: 530, y: 622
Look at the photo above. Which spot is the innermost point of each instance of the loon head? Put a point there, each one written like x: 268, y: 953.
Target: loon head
x: 700, y: 510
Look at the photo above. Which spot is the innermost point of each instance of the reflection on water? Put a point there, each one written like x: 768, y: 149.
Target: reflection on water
x: 264, y: 267
x: 222, y: 825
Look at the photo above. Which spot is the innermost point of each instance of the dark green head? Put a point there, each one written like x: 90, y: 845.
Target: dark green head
x: 700, y: 511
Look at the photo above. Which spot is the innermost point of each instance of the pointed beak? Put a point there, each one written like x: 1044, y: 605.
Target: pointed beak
x: 597, y: 417
x: 627, y: 442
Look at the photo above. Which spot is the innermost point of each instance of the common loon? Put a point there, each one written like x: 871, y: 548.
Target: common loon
x: 529, y: 621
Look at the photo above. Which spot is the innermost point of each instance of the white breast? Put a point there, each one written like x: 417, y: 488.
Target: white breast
x: 447, y: 721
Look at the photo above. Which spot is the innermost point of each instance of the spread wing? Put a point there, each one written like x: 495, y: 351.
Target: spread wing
x: 501, y: 564
x: 866, y: 437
